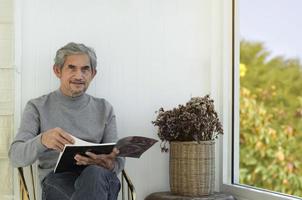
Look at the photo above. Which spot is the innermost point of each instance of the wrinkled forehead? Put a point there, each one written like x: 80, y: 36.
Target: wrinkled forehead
x: 78, y: 60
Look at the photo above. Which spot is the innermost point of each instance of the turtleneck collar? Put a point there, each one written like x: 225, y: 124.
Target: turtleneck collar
x: 72, y: 102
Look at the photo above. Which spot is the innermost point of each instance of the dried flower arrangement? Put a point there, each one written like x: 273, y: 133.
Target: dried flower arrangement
x: 195, y: 121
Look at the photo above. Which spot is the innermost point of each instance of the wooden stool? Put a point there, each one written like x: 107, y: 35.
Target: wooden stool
x: 170, y: 196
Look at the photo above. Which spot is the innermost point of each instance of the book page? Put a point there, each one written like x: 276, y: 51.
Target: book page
x: 79, y: 142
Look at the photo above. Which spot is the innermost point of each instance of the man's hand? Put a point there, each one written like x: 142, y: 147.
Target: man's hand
x: 56, y: 138
x: 105, y: 160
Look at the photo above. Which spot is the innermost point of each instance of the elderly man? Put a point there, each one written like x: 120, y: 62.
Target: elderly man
x: 49, y: 121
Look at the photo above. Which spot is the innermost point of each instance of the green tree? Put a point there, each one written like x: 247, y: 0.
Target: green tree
x: 270, y: 120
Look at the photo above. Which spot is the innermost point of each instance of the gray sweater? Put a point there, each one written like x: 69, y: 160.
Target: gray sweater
x: 86, y: 117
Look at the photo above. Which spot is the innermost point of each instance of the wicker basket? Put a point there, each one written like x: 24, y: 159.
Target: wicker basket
x: 192, y: 168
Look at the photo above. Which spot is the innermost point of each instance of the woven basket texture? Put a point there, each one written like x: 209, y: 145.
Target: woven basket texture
x: 192, y: 168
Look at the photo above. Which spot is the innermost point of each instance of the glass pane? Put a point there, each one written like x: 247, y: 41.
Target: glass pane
x: 271, y: 95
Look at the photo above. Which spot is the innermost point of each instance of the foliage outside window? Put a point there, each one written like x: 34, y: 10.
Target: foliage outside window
x: 270, y: 120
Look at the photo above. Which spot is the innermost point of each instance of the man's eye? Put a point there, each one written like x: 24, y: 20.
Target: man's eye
x: 86, y: 69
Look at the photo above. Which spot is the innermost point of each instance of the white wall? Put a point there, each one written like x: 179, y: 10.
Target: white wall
x: 152, y: 53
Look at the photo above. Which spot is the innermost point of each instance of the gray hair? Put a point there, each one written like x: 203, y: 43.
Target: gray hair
x: 74, y: 49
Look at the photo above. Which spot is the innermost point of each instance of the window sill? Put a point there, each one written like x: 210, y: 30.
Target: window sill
x: 246, y: 193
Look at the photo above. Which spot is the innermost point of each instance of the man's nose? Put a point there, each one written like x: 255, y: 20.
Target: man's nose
x: 78, y: 74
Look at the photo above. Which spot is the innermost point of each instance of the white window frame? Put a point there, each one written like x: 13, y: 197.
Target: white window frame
x: 18, y: 7
x: 230, y: 58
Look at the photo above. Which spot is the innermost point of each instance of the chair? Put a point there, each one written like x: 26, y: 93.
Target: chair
x: 24, y: 190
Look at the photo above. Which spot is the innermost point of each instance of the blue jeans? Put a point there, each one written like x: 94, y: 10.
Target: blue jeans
x: 93, y: 183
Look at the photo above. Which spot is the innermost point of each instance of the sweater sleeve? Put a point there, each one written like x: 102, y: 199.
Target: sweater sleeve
x: 27, y: 146
x: 110, y: 135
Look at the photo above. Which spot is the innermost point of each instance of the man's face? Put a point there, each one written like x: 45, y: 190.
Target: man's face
x: 75, y: 75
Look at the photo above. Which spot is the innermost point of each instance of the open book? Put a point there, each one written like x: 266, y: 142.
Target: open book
x: 131, y: 146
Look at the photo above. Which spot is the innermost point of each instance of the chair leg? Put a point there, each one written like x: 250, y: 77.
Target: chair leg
x: 130, y: 187
x: 24, y: 194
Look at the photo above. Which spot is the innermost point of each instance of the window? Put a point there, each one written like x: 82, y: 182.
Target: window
x: 268, y: 96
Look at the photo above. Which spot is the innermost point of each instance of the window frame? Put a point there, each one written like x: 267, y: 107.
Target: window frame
x: 17, y: 58
x: 230, y: 112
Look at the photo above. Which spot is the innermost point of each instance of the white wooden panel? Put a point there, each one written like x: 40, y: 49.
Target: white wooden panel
x: 6, y: 11
x: 6, y: 123
x: 6, y: 91
x: 6, y: 108
x: 6, y: 32
x: 6, y: 176
x: 6, y: 79
x: 6, y: 53
x: 6, y: 95
x: 6, y: 98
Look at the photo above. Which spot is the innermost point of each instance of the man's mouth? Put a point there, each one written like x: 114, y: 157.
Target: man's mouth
x: 77, y: 83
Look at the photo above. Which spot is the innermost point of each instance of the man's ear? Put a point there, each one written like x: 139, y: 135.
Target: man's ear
x: 94, y: 71
x: 57, y: 70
